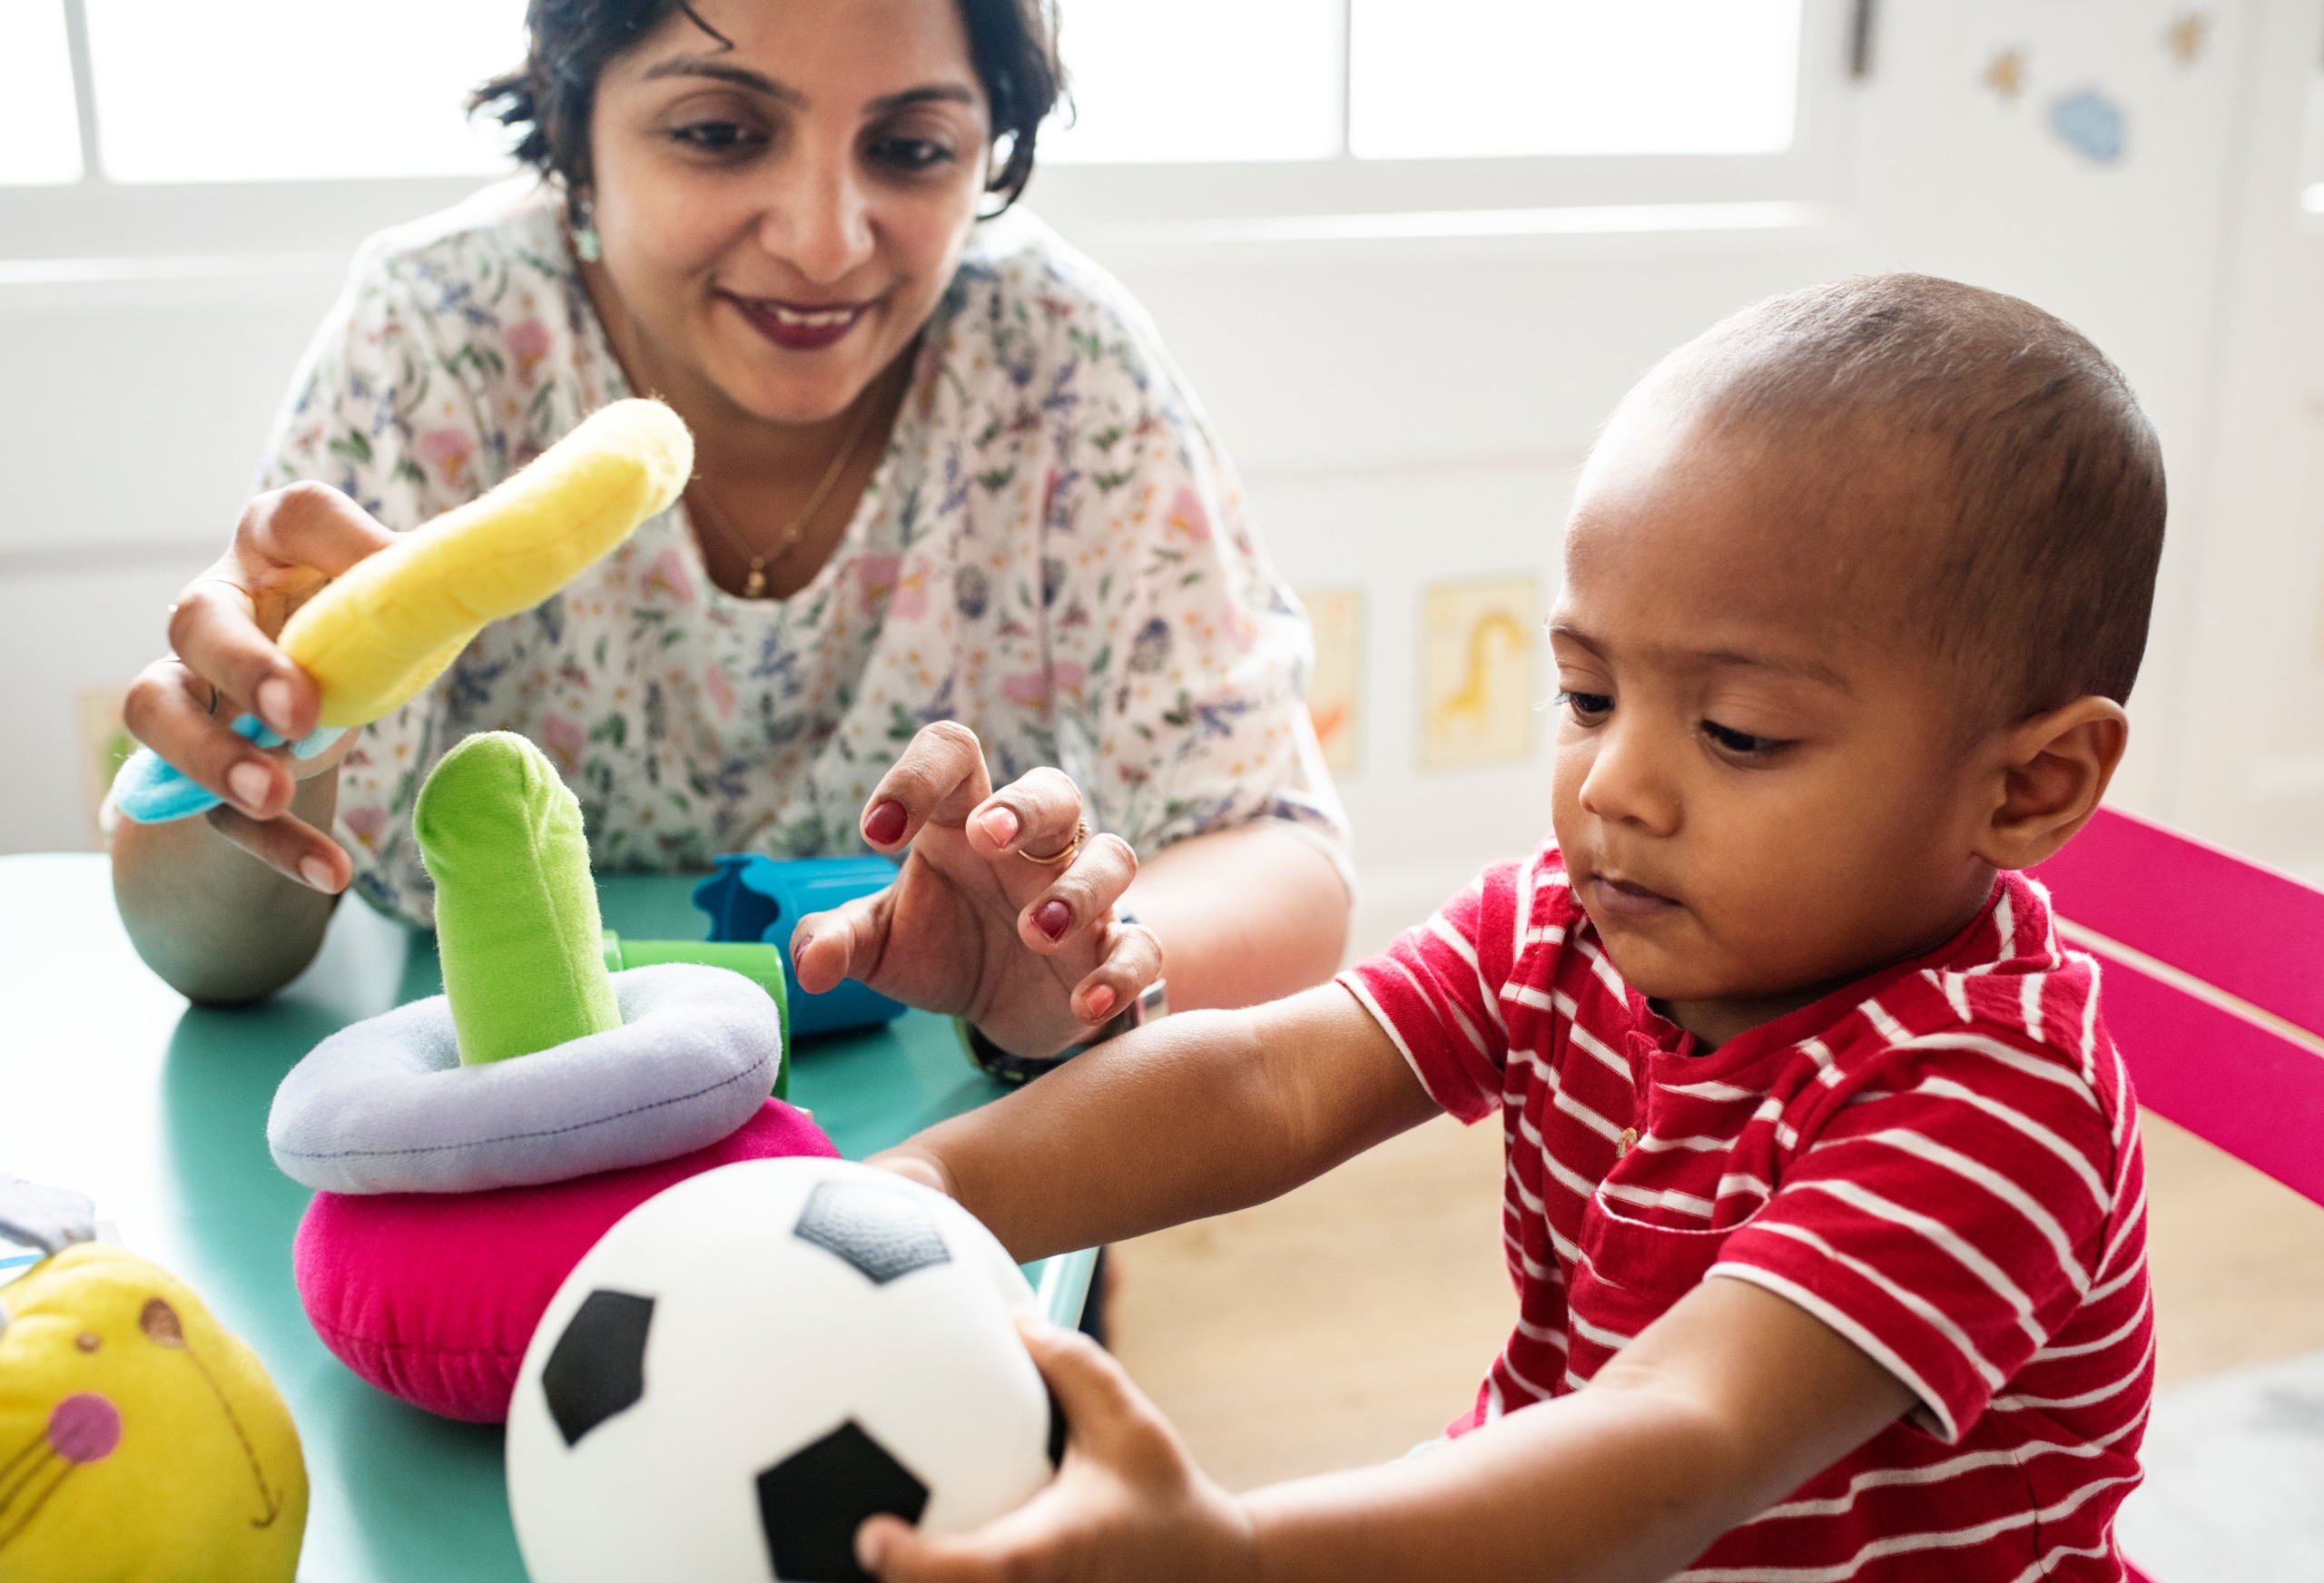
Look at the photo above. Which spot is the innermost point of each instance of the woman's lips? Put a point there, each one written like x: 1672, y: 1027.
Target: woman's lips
x: 799, y: 327
x: 1627, y: 901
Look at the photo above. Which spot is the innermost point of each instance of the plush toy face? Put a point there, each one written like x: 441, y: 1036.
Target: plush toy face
x: 139, y: 1440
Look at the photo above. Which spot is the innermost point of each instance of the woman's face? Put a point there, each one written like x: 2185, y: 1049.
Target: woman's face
x: 779, y: 218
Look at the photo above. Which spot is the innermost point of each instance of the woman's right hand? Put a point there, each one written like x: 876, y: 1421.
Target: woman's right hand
x: 224, y: 664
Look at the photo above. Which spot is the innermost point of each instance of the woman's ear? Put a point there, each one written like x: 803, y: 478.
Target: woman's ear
x: 2052, y: 770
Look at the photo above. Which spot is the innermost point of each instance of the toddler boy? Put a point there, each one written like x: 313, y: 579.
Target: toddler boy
x: 1824, y: 1197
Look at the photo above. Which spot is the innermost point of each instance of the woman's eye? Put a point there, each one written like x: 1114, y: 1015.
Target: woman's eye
x: 1587, y: 707
x: 1740, y: 741
x: 717, y: 137
x: 908, y: 154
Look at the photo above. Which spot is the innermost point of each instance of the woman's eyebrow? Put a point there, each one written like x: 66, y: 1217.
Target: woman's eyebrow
x: 931, y: 93
x: 724, y: 72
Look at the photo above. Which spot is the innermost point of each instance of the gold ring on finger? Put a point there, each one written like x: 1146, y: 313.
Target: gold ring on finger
x: 1059, y: 859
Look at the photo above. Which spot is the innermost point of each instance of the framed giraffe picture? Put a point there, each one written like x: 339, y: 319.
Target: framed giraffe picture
x: 1477, y: 670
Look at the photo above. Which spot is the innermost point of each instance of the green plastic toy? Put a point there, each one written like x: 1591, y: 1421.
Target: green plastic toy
x: 761, y: 964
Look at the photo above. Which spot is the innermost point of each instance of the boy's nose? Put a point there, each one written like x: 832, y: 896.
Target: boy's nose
x: 1627, y: 782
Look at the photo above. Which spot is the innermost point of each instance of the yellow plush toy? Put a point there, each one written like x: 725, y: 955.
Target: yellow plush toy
x: 388, y: 627
x: 398, y: 619
x: 139, y: 1441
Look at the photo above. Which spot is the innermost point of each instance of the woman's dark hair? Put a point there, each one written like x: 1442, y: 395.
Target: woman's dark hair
x: 1011, y: 43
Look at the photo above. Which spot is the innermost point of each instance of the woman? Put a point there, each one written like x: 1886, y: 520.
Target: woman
x: 945, y: 475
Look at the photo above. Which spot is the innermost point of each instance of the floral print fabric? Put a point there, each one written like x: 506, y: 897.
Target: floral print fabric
x: 1052, y: 551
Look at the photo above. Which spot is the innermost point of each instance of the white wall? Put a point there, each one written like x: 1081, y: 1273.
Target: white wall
x: 1408, y: 411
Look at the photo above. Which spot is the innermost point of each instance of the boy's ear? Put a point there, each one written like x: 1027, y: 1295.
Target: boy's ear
x: 2052, y: 771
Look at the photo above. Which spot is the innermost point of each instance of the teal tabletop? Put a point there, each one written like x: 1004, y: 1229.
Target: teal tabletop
x: 112, y: 1084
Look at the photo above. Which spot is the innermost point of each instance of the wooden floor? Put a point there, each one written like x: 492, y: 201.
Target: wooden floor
x: 1346, y: 1322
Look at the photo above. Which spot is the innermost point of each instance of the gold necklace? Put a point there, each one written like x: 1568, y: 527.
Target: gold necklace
x: 754, y: 586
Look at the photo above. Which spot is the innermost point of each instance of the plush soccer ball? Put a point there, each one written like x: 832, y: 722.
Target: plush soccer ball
x: 754, y: 1361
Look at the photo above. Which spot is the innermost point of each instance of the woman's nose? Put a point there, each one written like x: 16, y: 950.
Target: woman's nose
x: 1628, y: 782
x: 819, y: 220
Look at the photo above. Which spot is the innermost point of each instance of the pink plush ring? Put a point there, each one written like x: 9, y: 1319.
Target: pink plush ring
x: 433, y: 1296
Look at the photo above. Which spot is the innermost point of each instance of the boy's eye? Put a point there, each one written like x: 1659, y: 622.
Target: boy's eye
x: 1740, y: 741
x: 717, y: 137
x: 908, y: 154
x: 1588, y: 707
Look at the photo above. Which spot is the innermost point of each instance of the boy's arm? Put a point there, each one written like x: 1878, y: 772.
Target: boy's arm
x: 1194, y: 1115
x: 1727, y: 1403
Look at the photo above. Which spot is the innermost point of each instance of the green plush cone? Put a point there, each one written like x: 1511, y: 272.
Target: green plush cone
x: 517, y: 926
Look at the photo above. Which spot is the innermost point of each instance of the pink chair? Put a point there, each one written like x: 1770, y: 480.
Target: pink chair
x: 2214, y: 988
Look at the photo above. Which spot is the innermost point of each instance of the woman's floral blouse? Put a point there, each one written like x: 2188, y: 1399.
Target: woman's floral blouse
x: 1052, y: 551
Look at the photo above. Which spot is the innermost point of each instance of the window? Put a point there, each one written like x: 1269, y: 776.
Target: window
x: 277, y: 90
x: 40, y: 128
x: 1221, y: 79
x: 1258, y: 79
x: 1438, y: 79
x: 271, y: 127
x: 1213, y: 120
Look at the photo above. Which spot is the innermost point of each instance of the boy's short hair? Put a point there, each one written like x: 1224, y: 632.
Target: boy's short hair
x: 2041, y: 590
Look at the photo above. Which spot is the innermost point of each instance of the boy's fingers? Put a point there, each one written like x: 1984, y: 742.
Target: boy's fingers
x: 894, y: 1552
x: 939, y: 776
x: 1030, y: 1543
x: 1085, y: 892
x: 1093, y: 1391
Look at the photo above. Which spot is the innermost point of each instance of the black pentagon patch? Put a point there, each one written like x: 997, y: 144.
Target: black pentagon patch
x: 597, y: 1367
x: 1057, y: 1430
x: 881, y: 1231
x: 811, y: 1502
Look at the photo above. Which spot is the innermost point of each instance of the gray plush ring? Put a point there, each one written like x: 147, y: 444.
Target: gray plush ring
x: 386, y: 1107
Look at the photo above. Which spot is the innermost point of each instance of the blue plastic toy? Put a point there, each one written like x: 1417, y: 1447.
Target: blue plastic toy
x: 753, y: 898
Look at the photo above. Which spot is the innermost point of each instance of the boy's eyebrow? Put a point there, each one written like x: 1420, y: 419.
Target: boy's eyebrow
x: 1811, y: 670
x: 1784, y: 664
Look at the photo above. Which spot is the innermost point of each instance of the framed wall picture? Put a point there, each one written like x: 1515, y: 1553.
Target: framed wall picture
x: 1477, y: 670
x: 1335, y: 686
x: 105, y: 741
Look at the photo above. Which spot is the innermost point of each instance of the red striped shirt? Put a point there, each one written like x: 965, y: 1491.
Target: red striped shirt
x: 1941, y: 1162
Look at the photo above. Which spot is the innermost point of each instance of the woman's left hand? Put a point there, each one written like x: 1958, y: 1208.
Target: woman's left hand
x: 981, y: 921
x: 1127, y: 1504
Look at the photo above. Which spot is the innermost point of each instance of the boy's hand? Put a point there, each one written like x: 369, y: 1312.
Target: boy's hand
x: 1127, y: 1504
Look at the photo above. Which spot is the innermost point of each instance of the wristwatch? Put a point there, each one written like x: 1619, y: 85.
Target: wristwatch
x: 1150, y: 1004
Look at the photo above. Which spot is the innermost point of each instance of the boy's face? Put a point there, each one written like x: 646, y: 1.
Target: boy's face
x: 1761, y: 788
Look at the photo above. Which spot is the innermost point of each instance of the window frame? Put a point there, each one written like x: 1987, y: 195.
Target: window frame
x: 1157, y: 199
x: 96, y: 218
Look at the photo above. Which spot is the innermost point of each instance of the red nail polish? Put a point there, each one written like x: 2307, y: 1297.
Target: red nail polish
x: 1051, y: 918
x: 884, y: 825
